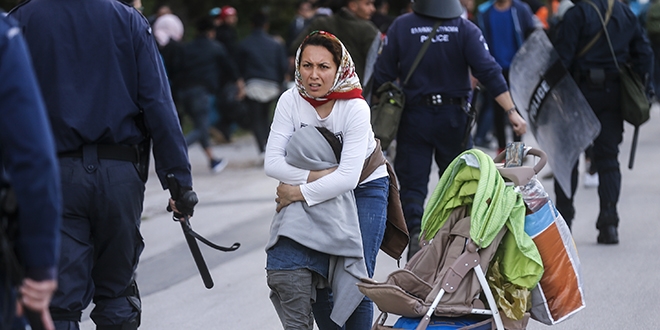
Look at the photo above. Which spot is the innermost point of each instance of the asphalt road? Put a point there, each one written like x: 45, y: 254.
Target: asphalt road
x: 236, y: 205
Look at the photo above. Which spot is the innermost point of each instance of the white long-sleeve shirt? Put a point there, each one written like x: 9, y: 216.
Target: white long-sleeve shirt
x: 349, y: 119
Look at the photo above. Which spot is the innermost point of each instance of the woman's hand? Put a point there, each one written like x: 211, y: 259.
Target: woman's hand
x: 287, y: 194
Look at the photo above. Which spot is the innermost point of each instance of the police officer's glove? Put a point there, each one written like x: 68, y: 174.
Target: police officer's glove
x: 187, y: 201
x: 184, y: 198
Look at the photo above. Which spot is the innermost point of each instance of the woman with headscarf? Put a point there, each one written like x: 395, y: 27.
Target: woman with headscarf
x: 327, y: 94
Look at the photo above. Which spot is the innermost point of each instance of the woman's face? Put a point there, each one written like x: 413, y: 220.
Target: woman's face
x: 317, y: 70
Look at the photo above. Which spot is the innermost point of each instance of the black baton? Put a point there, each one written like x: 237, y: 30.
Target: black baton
x: 633, y: 148
x: 175, y: 191
x: 33, y: 318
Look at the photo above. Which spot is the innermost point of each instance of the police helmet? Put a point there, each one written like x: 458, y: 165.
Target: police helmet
x: 442, y: 9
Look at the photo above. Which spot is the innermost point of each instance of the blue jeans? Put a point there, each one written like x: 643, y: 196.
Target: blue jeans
x: 197, y: 103
x: 371, y: 200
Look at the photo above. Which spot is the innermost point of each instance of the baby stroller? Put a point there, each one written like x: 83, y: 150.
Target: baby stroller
x: 467, y: 217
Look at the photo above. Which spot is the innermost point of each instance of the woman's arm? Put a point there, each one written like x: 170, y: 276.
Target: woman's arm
x: 287, y: 194
x: 281, y: 130
x: 353, y: 122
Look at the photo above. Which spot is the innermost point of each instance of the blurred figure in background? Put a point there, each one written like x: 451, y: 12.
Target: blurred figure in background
x: 505, y: 25
x: 263, y: 64
x: 304, y: 14
x: 168, y: 30
x: 381, y: 17
x: 206, y: 64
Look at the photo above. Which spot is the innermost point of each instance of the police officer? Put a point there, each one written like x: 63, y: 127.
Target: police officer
x: 27, y: 153
x: 99, y: 69
x: 434, y: 119
x: 598, y: 79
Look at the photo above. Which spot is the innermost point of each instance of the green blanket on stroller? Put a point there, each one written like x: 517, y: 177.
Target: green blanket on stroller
x: 472, y: 179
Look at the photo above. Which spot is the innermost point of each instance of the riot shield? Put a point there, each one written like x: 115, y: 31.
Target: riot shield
x: 557, y: 113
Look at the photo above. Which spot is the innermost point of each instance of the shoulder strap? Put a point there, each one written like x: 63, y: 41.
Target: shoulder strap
x: 607, y: 35
x: 608, y: 14
x: 425, y: 46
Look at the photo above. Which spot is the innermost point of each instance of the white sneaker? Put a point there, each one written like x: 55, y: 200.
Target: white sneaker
x: 591, y: 180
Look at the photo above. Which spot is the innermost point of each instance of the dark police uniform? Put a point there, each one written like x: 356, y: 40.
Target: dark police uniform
x: 27, y: 152
x: 98, y: 66
x: 434, y: 119
x: 580, y: 24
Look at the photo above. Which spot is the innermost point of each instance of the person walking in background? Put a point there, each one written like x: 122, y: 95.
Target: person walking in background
x: 227, y: 111
x: 263, y: 64
x: 304, y: 14
x: 434, y: 120
x: 168, y: 30
x: 29, y: 165
x: 225, y: 29
x: 468, y: 10
x: 106, y: 94
x: 597, y: 75
x: 327, y: 94
x: 381, y: 16
x: 505, y: 24
x: 206, y: 64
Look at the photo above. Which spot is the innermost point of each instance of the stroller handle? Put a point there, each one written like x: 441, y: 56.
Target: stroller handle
x: 521, y: 175
x: 543, y: 158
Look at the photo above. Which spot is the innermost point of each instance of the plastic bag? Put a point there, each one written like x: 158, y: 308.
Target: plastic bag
x: 559, y: 294
x: 512, y: 300
x: 534, y: 194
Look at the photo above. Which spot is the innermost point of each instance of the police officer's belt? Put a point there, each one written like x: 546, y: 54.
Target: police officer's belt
x: 108, y: 151
x: 439, y: 99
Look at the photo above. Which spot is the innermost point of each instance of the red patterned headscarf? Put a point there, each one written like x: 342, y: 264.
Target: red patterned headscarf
x: 346, y: 84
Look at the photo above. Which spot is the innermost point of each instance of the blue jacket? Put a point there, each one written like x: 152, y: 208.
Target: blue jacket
x: 98, y: 65
x: 261, y: 56
x: 27, y: 153
x: 457, y: 50
x: 207, y: 63
x: 629, y: 41
x: 523, y: 20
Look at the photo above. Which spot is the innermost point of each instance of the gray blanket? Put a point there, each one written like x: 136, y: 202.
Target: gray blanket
x: 330, y: 227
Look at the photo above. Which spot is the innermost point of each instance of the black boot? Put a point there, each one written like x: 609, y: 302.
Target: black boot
x: 607, y: 225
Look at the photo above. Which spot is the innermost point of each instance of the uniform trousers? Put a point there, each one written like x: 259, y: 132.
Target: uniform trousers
x: 426, y: 133
x: 197, y: 103
x: 605, y: 101
x: 8, y: 319
x: 101, y: 240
